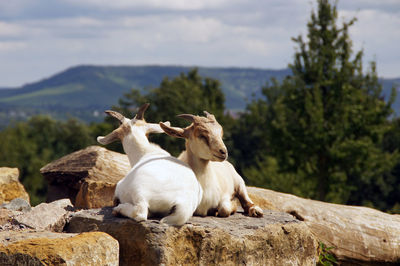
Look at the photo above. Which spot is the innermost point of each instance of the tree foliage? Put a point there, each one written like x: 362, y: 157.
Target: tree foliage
x: 319, y: 131
x: 389, y: 198
x: 187, y: 93
x: 31, y: 145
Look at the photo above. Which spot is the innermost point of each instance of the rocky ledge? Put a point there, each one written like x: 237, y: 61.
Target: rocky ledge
x: 275, y: 239
x: 288, y: 234
x: 33, y: 236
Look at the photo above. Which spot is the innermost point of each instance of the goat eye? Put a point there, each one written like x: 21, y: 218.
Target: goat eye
x: 204, y: 138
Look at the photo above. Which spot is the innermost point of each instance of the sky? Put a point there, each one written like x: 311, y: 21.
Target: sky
x: 39, y: 38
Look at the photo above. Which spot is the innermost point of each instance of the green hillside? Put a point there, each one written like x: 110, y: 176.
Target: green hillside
x: 85, y: 91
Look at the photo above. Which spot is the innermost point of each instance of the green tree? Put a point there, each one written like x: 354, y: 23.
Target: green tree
x: 31, y: 145
x: 389, y: 199
x: 319, y: 132
x: 187, y: 93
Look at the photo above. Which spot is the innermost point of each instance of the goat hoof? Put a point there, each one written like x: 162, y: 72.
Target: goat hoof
x: 256, y: 211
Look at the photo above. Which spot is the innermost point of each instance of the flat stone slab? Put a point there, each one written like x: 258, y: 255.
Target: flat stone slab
x: 275, y: 239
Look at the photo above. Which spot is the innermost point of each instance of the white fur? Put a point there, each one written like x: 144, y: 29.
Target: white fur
x: 157, y: 183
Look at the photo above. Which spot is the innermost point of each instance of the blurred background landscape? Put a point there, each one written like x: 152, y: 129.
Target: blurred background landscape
x: 85, y: 92
x: 307, y: 95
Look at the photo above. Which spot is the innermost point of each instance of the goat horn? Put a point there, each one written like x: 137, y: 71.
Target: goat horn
x: 207, y: 113
x: 188, y: 117
x: 115, y: 114
x: 142, y: 109
x: 209, y: 116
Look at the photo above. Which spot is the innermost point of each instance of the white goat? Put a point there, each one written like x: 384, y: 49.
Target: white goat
x: 157, y: 183
x: 206, y: 154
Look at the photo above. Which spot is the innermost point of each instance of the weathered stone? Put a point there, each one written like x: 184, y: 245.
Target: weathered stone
x: 46, y: 248
x: 61, y: 203
x: 7, y: 220
x: 275, y: 239
x: 95, y: 194
x: 359, y: 235
x: 10, y: 187
x: 46, y: 216
x: 5, y: 216
x: 17, y: 204
x: 90, y: 174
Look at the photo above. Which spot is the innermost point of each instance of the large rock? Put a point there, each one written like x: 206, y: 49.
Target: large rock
x: 10, y: 187
x: 46, y: 248
x: 46, y: 216
x: 87, y: 177
x: 275, y: 239
x: 359, y: 235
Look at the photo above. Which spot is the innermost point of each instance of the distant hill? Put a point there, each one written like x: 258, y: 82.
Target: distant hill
x: 86, y: 91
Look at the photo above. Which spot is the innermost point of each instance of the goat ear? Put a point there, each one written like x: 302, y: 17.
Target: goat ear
x: 113, y: 136
x: 173, y: 131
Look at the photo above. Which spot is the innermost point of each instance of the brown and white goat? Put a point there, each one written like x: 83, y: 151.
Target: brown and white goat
x: 206, y: 154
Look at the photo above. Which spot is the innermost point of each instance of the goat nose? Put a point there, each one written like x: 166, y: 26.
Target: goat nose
x: 223, y: 152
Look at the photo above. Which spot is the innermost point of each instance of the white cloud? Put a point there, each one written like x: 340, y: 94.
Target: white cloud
x: 170, y: 28
x: 386, y: 5
x: 158, y: 4
x: 11, y: 46
x: 10, y: 30
x: 13, y: 7
x: 46, y: 36
x: 378, y: 34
